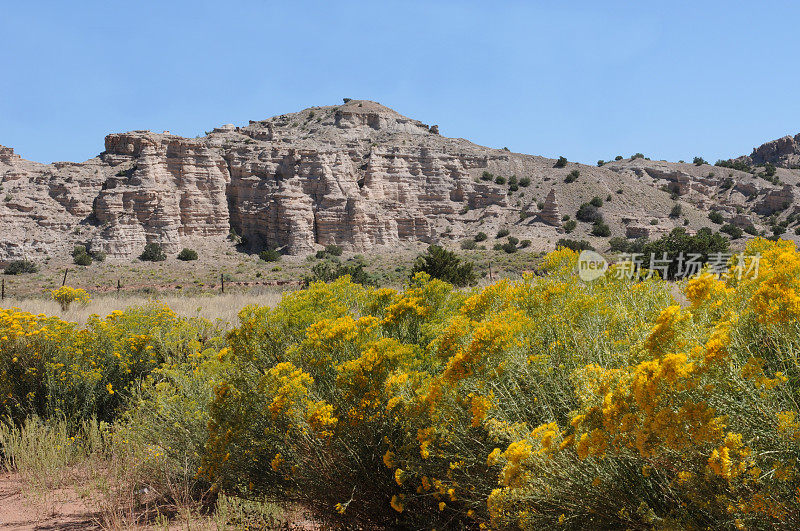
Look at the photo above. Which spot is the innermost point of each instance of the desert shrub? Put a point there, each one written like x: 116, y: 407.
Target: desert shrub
x: 596, y: 202
x: 468, y: 245
x: 270, y: 255
x: 20, y: 267
x: 442, y: 264
x: 481, y: 236
x: 699, y: 161
x: 153, y: 253
x: 502, y: 233
x: 513, y: 181
x: 331, y: 270
x: 508, y: 247
x: 570, y: 225
x: 333, y: 250
x: 561, y: 162
x: 486, y: 176
x: 732, y: 230
x: 637, y: 156
x: 703, y: 244
x: 676, y: 211
x: 574, y: 245
x: 600, y: 229
x: 525, y: 182
x: 735, y: 165
x: 618, y: 157
x: 534, y: 404
x: 500, y: 180
x: 769, y: 169
x: 50, y: 367
x: 572, y: 176
x: 82, y: 259
x: 600, y: 163
x: 66, y: 295
x: 751, y: 229
x: 589, y: 213
x: 524, y: 244
x: 618, y: 244
x: 187, y: 255
x: 513, y: 240
x: 716, y: 217
x: 777, y: 230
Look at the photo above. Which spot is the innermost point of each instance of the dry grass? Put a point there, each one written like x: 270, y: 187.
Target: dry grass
x: 223, y: 307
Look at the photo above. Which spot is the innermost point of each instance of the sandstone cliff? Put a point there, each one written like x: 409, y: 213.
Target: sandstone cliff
x: 358, y: 175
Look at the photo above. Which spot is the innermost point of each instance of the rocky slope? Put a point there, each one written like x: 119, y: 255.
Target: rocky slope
x: 358, y: 175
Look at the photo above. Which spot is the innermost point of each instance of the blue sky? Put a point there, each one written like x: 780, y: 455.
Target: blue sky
x: 587, y: 80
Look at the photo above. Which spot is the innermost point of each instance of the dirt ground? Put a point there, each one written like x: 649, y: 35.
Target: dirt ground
x: 61, y: 509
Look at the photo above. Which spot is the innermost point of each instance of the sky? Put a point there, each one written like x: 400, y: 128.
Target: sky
x: 584, y: 79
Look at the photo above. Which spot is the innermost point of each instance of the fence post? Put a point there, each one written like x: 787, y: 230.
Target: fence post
x: 222, y: 281
x: 3, y: 291
x: 64, y: 282
x: 119, y: 286
x: 491, y: 278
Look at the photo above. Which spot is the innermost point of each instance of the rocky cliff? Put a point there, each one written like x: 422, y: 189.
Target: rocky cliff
x: 358, y: 175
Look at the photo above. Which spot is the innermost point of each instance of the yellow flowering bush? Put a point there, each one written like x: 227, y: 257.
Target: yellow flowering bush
x: 545, y: 401
x: 66, y: 295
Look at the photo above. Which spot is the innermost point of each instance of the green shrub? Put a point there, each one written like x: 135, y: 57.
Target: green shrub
x: 500, y: 180
x: 589, y: 213
x: 444, y: 265
x: 187, y: 255
x: 513, y: 240
x: 524, y: 244
x: 699, y: 161
x: 704, y: 243
x: 502, y: 233
x: 468, y: 245
x: 20, y: 267
x: 600, y: 163
x: 481, y: 236
x: 575, y: 245
x: 732, y: 230
x: 330, y: 271
x: 570, y: 225
x: 525, y: 182
x: 572, y: 176
x: 596, y: 201
x: 676, y: 211
x: 270, y: 255
x: 734, y: 165
x: 637, y: 156
x: 509, y: 248
x: 769, y: 169
x: 153, y: 253
x: 600, y: 229
x: 715, y: 217
x: 486, y: 176
x: 333, y: 250
x: 82, y: 259
x: 618, y: 157
x: 561, y: 162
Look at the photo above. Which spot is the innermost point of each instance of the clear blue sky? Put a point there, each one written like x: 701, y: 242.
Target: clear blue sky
x: 584, y: 79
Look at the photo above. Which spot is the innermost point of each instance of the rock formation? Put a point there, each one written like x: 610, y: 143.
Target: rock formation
x: 359, y: 175
x: 550, y: 213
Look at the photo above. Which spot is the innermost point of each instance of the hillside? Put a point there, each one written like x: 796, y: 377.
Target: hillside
x: 362, y: 176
